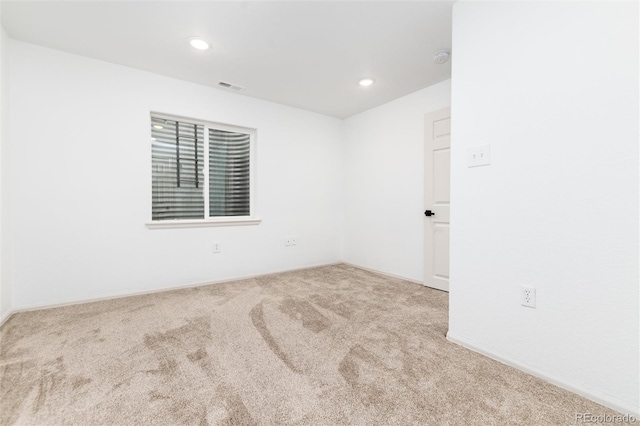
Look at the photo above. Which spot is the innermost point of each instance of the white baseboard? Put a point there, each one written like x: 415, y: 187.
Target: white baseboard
x: 37, y: 306
x: 386, y: 274
x: 5, y: 317
x: 593, y: 396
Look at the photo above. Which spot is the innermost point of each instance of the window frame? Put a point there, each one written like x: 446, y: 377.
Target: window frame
x: 251, y: 219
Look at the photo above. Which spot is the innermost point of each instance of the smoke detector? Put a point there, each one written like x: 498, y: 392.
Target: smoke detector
x: 441, y: 56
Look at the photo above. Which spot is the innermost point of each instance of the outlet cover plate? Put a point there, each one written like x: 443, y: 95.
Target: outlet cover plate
x: 528, y: 296
x: 290, y: 240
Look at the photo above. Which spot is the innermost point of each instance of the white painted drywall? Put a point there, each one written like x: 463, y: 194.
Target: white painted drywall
x: 553, y: 88
x: 81, y: 183
x: 5, y: 228
x: 384, y: 183
x: 4, y: 300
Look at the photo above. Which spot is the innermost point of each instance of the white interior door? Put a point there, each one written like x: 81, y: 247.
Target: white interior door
x: 437, y: 156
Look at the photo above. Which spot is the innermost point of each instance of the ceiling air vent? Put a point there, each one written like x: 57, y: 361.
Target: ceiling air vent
x: 230, y: 86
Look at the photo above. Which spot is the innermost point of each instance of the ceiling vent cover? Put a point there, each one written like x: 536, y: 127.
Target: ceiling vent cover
x: 230, y: 86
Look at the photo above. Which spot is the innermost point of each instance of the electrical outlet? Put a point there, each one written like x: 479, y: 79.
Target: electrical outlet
x: 290, y: 241
x: 528, y: 296
x: 216, y: 246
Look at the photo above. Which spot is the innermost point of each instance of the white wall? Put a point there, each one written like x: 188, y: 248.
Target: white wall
x: 5, y: 228
x: 384, y: 183
x: 4, y: 300
x: 82, y: 184
x: 553, y: 87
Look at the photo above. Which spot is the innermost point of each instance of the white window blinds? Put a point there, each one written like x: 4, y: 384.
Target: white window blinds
x: 177, y: 153
x: 181, y: 152
x: 229, y: 177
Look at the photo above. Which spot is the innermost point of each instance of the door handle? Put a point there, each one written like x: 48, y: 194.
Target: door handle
x: 429, y: 213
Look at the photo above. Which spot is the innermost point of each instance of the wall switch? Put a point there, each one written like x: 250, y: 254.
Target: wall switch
x: 216, y: 246
x: 290, y: 241
x: 479, y: 155
x: 528, y: 296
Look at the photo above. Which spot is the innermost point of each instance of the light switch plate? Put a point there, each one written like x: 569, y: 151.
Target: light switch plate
x: 479, y: 155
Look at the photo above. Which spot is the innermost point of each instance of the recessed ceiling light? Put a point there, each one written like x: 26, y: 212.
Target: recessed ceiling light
x: 158, y: 126
x: 366, y: 82
x: 198, y: 43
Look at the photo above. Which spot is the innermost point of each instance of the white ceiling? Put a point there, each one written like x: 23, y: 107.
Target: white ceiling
x: 307, y: 55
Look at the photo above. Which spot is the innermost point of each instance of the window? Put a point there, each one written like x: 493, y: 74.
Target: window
x: 202, y: 173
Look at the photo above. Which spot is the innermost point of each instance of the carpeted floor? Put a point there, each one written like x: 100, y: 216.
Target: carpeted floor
x: 325, y: 346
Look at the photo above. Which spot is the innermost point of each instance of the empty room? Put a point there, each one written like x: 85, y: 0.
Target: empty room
x: 319, y: 212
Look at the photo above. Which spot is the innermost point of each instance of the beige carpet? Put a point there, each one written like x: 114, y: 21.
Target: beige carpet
x: 327, y: 346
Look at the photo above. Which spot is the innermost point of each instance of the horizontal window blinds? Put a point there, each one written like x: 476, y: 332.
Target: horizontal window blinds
x: 229, y: 173
x: 177, y: 151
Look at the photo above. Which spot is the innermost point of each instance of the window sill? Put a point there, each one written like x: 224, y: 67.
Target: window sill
x: 199, y: 223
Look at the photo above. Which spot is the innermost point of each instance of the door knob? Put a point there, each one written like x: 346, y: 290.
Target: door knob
x: 429, y: 213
